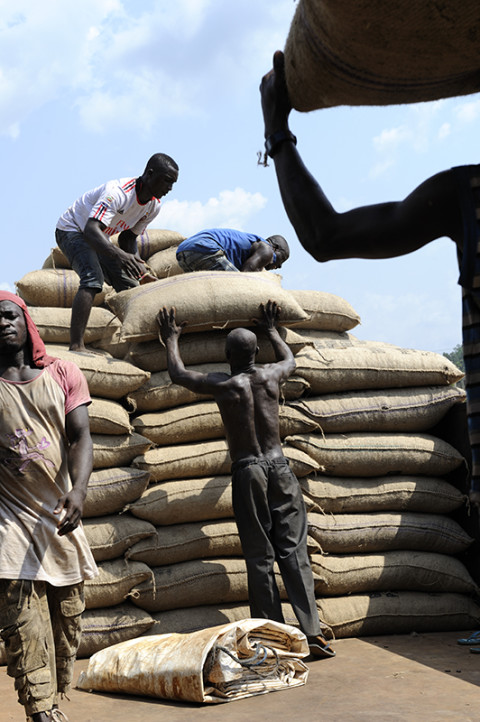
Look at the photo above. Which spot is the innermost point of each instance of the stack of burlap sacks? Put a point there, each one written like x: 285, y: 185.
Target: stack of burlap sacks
x: 356, y: 421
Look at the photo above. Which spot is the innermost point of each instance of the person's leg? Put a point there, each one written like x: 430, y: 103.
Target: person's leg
x: 289, y: 537
x: 81, y: 308
x: 66, y: 605
x: 252, y: 516
x: 84, y: 261
x: 471, y: 355
x: 193, y: 261
x: 28, y: 637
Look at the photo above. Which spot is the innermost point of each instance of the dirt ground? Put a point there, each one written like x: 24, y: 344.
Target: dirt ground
x: 424, y: 677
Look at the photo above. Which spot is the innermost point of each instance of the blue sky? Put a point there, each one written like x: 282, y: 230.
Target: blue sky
x: 88, y: 91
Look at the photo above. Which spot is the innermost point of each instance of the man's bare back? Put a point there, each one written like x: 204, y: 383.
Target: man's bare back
x: 248, y: 397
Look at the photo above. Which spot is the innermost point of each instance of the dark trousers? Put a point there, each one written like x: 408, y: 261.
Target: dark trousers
x: 272, y: 525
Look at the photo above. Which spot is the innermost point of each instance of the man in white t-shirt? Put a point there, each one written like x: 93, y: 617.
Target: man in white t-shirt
x: 126, y: 206
x: 45, y: 463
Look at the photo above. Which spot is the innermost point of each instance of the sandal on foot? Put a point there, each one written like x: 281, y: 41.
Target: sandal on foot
x: 472, y: 639
x: 58, y: 716
x: 319, y: 647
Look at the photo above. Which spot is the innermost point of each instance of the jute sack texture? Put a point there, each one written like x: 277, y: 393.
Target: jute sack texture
x: 372, y: 52
x: 426, y: 494
x: 110, y: 625
x: 408, y: 409
x: 189, y: 619
x: 325, y: 311
x: 375, y: 454
x: 206, y: 347
x: 153, y: 240
x: 183, y: 542
x: 185, y: 500
x: 205, y: 299
x: 197, y: 582
x: 111, y: 490
x: 114, y: 581
x: 378, y: 532
x: 54, y: 323
x: 111, y: 450
x: 52, y: 287
x: 108, y: 417
x: 418, y: 571
x: 403, y: 612
x: 164, y: 263
x: 107, y: 377
x: 110, y: 536
x: 365, y: 367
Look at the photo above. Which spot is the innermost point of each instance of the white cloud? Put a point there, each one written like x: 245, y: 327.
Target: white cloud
x: 132, y: 63
x: 468, y: 112
x: 231, y: 209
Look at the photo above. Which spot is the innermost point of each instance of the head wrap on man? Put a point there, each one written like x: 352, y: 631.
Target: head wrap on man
x: 37, y: 347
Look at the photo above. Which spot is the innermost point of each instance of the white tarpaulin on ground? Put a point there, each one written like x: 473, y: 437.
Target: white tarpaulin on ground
x: 218, y: 664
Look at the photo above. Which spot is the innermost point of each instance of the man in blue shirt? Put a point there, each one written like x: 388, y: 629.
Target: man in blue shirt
x: 225, y: 249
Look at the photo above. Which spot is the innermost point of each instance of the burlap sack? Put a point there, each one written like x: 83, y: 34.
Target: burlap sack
x: 383, y: 493
x: 54, y: 323
x: 375, y: 454
x: 114, y: 581
x: 56, y: 259
x: 368, y: 52
x: 158, y: 392
x: 327, y: 339
x: 153, y: 240
x: 104, y: 627
x: 112, y: 342
x: 363, y: 615
x: 325, y: 311
x: 391, y: 571
x: 202, y: 420
x: 380, y: 532
x: 210, y: 458
x: 192, y: 618
x: 206, y: 347
x: 192, y: 583
x: 409, y: 409
x: 52, y: 287
x: 117, y: 450
x: 110, y: 490
x: 164, y: 263
x: 206, y: 300
x: 185, y: 500
x: 106, y: 376
x: 301, y: 464
x: 182, y: 542
x: 108, y: 417
x: 373, y: 367
x: 110, y: 536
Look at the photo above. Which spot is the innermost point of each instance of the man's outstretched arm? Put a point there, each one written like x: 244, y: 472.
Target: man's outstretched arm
x: 285, y: 360
x: 170, y: 332
x: 377, y: 231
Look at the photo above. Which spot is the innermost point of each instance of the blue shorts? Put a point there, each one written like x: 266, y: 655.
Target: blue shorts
x: 92, y: 268
x: 195, y: 261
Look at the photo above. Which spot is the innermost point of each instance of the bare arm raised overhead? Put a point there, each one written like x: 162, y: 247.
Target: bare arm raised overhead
x: 383, y: 230
x: 195, y: 381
